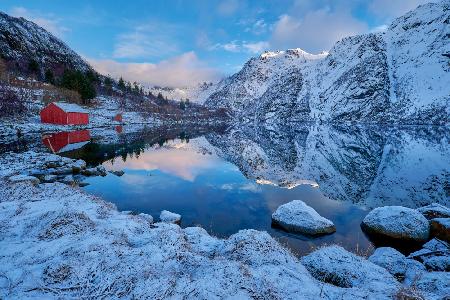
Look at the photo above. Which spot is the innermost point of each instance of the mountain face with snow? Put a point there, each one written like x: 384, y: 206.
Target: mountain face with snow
x: 401, y: 75
x: 196, y: 94
x: 22, y: 41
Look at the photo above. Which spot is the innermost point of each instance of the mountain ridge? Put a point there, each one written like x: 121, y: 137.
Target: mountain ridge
x: 22, y: 41
x: 397, y: 76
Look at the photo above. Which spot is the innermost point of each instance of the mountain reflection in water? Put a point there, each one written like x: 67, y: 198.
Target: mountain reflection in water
x: 234, y: 179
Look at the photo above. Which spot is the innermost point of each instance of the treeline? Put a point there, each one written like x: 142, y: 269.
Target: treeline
x: 82, y: 82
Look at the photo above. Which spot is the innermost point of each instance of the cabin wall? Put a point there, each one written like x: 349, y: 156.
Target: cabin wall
x: 77, y: 118
x: 54, y: 115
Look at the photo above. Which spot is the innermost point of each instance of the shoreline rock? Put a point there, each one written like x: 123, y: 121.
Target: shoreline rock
x: 440, y: 228
x: 169, y: 217
x: 397, y: 223
x: 296, y: 216
x: 434, y: 210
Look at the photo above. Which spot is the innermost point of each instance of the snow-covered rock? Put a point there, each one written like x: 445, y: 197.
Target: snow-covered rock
x: 102, y: 170
x: 435, y: 210
x: 397, y: 76
x: 78, y: 165
x: 440, y: 228
x: 297, y: 216
x: 147, y: 217
x: 24, y: 178
x: 435, y: 255
x: 434, y: 285
x: 49, y: 178
x: 337, y: 266
x: 90, y: 172
x: 169, y: 217
x: 68, y: 180
x: 396, y: 263
x: 117, y: 173
x: 397, y: 222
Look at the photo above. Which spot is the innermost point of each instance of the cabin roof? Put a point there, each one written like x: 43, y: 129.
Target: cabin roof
x: 70, y: 107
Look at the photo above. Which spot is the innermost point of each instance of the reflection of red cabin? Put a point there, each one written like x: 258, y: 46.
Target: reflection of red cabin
x: 118, y: 118
x: 67, y: 141
x: 64, y: 114
x: 119, y: 129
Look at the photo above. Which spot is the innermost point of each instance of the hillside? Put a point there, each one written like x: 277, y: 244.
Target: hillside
x: 22, y: 41
x: 397, y: 76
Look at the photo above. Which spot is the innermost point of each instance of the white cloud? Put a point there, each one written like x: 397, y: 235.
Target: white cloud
x: 242, y: 46
x: 145, y: 41
x: 317, y: 31
x: 259, y: 27
x: 48, y: 22
x: 257, y: 47
x: 178, y: 71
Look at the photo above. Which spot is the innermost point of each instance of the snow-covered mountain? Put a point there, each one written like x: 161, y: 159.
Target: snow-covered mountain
x: 196, y: 94
x: 22, y: 41
x: 401, y: 75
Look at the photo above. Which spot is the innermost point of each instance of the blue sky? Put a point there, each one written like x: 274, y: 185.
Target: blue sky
x: 178, y: 43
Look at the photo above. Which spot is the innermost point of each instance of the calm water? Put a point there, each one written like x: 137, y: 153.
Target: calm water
x: 227, y: 180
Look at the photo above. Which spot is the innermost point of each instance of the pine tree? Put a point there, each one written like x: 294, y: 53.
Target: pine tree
x: 49, y: 77
x: 121, y: 84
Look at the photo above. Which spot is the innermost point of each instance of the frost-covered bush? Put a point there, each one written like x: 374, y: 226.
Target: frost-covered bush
x: 11, y: 103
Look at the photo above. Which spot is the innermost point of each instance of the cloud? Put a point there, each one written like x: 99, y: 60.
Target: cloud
x: 388, y: 9
x: 259, y: 27
x: 242, y: 47
x: 179, y: 71
x: 257, y: 47
x: 147, y: 41
x: 316, y: 31
x: 48, y: 22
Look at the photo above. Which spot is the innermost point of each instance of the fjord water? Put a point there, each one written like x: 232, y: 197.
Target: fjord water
x: 235, y: 179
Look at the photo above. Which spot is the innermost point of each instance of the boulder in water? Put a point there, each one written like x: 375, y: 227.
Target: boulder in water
x: 397, y: 222
x: 296, y: 216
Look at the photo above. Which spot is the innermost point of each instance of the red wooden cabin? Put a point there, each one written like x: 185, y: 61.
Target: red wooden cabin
x: 64, y: 114
x: 118, y: 118
x: 66, y: 141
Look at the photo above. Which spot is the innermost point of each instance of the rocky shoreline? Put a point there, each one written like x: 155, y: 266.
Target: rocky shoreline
x: 58, y: 241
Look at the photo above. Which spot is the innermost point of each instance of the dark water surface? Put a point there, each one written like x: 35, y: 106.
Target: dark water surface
x: 227, y: 180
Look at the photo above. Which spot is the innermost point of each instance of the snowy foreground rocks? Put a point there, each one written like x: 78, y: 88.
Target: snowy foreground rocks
x: 341, y: 268
x: 398, y: 223
x: 296, y: 216
x: 169, y: 217
x: 397, y: 264
x: 435, y: 255
x: 38, y: 168
x: 24, y: 178
x: 434, y: 210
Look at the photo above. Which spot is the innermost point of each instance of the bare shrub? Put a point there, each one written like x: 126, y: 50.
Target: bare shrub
x: 11, y: 103
x: 55, y: 94
x: 408, y: 293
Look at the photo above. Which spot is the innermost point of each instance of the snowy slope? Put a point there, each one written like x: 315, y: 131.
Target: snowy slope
x: 401, y: 75
x: 22, y: 41
x: 196, y: 94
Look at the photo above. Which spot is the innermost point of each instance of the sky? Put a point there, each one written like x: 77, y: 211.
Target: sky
x: 180, y: 43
